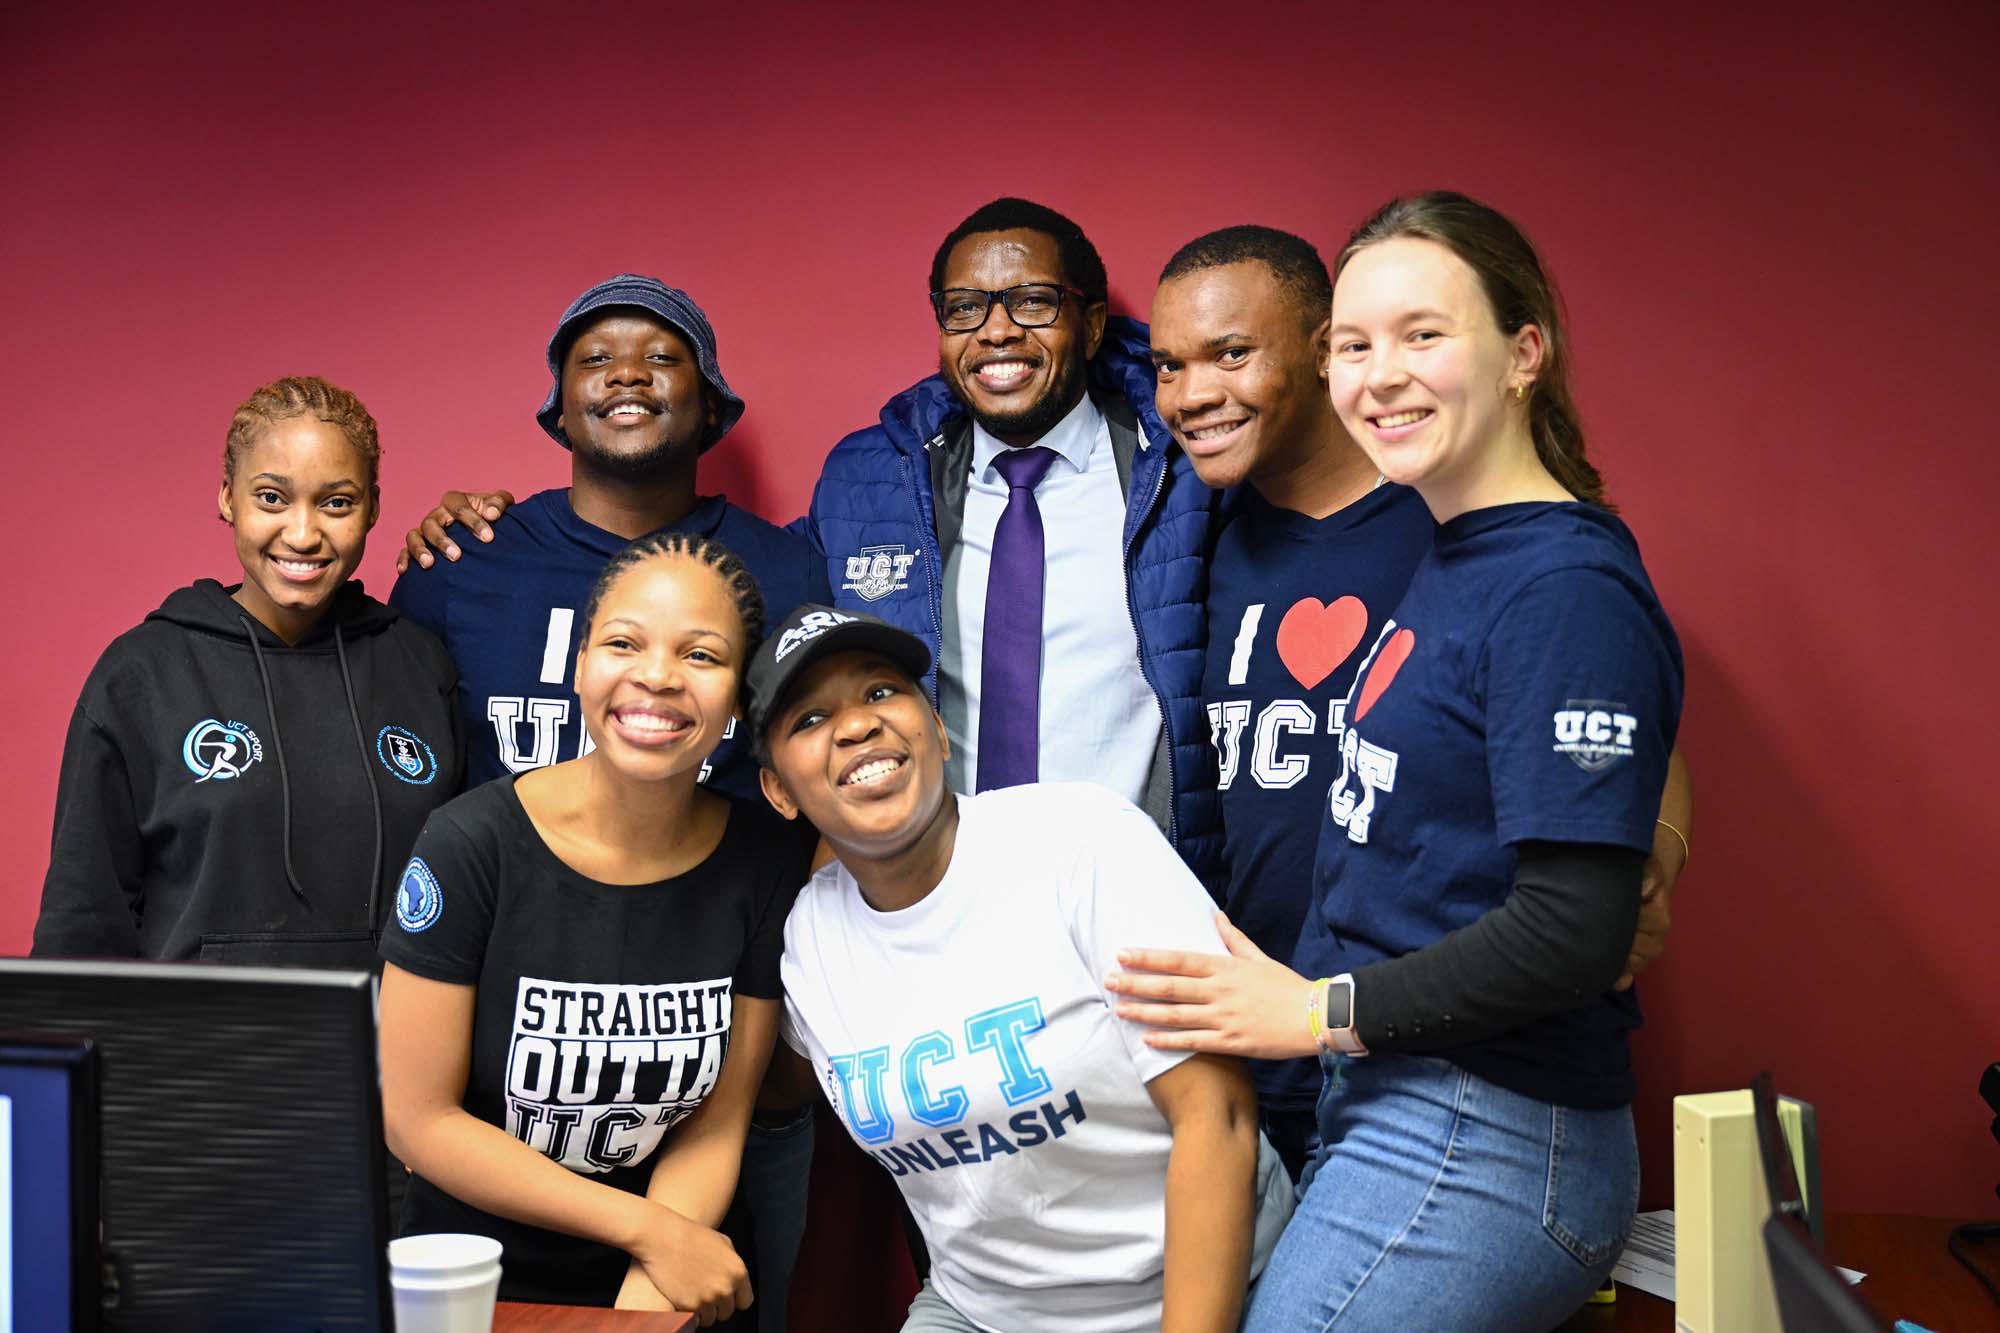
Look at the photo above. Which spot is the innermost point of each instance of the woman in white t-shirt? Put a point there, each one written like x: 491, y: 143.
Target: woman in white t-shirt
x: 944, y: 976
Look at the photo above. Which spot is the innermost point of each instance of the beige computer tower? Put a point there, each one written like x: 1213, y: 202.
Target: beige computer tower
x: 1722, y: 1281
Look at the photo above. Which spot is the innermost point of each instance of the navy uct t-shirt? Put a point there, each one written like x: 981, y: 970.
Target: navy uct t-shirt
x: 508, y: 612
x: 1293, y: 603
x: 1527, y: 688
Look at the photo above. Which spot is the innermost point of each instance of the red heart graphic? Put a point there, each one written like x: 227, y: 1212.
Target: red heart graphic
x: 1314, y: 639
x: 1387, y: 663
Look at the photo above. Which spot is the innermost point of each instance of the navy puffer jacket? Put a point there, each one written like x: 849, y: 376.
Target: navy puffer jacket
x: 875, y: 519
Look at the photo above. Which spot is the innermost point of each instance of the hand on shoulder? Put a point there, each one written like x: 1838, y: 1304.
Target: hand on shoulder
x: 476, y: 511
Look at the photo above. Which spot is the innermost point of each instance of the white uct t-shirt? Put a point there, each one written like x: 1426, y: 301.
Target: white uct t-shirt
x: 968, y: 1045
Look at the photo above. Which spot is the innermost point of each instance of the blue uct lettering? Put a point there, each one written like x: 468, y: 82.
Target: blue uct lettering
x: 1055, y: 1116
x: 992, y: 1142
x: 1027, y: 1127
x: 1004, y: 1029
x: 872, y: 1124
x: 946, y: 1107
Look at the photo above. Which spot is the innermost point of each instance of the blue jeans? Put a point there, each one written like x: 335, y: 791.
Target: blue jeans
x: 1437, y: 1200
x: 767, y: 1219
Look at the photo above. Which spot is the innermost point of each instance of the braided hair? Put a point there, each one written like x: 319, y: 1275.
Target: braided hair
x: 706, y: 550
x: 300, y: 396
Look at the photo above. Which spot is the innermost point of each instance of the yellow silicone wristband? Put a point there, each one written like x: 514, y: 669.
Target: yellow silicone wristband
x: 1313, y: 1019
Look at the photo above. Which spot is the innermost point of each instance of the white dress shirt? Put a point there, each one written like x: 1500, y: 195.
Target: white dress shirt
x: 1099, y: 721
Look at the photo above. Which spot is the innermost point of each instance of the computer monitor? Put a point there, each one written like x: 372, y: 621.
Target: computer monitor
x: 1812, y: 1296
x: 243, y: 1175
x: 48, y: 1184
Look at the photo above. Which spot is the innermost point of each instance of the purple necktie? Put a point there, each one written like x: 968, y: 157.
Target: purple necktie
x: 1010, y: 652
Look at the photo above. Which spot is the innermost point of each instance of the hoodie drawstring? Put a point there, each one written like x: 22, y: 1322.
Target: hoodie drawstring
x: 284, y: 777
x: 278, y: 747
x: 374, y: 792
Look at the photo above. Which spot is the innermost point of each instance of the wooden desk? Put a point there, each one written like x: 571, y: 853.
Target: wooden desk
x: 515, y: 1317
x: 1910, y: 1276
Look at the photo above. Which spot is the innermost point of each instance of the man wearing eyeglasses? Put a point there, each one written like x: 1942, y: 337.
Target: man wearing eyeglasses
x: 1064, y: 613
x: 1025, y: 512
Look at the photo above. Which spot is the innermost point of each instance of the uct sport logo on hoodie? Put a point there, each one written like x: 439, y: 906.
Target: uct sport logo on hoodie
x: 404, y: 753
x: 217, y: 749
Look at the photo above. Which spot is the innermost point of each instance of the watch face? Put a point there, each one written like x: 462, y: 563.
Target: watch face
x: 1339, y: 1004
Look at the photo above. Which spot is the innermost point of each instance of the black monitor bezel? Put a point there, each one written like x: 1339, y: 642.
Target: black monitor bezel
x: 1800, y: 1270
x: 366, y: 1102
x: 76, y: 1057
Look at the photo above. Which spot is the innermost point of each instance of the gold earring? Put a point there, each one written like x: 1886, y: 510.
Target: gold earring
x: 1520, y: 393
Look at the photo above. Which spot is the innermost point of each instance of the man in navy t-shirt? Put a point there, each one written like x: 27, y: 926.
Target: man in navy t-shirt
x: 638, y: 396
x: 1313, y: 558
x: 1315, y: 555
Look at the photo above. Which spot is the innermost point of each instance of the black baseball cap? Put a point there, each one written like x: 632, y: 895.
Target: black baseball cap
x: 809, y: 634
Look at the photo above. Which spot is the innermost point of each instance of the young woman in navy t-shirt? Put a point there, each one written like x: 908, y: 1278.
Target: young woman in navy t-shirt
x: 1480, y: 857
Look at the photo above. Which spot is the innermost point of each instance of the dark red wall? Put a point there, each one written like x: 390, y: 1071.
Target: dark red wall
x: 1775, y: 233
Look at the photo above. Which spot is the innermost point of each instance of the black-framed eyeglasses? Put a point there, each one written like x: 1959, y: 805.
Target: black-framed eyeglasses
x: 1032, y: 305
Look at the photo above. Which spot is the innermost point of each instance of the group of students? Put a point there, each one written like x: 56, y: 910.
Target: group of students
x: 711, y: 860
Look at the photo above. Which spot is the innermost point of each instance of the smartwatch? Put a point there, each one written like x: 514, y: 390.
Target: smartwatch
x: 1337, y: 1035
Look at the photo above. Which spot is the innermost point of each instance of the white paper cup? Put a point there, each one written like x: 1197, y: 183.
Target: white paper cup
x: 444, y: 1283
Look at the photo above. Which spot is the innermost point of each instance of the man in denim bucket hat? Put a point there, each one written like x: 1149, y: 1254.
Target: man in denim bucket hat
x: 637, y: 396
x: 673, y: 308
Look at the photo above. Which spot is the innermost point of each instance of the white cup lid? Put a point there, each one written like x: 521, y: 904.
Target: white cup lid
x: 443, y: 1253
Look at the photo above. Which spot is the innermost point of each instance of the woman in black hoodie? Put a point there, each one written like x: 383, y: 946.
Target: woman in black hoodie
x: 247, y: 770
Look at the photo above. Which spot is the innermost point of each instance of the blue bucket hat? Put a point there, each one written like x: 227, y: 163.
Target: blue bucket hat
x: 672, y: 307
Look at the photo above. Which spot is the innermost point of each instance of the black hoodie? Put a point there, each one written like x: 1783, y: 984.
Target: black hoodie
x: 227, y: 796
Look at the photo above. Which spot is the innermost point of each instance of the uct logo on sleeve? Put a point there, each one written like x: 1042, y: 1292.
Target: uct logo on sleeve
x: 810, y: 627
x: 418, y: 898
x: 404, y: 753
x: 878, y: 571
x: 217, y: 749
x: 1594, y: 733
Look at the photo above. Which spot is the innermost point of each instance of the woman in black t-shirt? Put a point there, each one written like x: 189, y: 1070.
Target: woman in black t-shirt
x: 582, y: 989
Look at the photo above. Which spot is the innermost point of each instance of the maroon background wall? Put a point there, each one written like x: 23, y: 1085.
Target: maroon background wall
x: 1775, y: 234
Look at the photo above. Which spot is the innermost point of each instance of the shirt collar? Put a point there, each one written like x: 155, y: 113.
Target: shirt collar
x: 703, y: 519
x: 1073, y: 438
